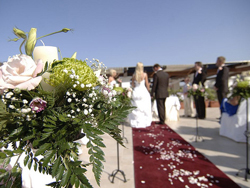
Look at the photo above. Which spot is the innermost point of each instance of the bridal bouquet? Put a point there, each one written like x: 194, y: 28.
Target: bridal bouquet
x: 196, y: 90
x: 43, y: 125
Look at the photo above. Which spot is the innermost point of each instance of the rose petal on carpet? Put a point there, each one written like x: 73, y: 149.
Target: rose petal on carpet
x: 163, y: 159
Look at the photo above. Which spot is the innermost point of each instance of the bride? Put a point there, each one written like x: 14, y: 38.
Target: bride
x: 140, y: 117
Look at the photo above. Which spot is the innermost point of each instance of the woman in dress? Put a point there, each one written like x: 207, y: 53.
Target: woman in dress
x: 140, y: 117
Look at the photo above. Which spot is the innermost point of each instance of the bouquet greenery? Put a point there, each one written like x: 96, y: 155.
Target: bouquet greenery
x: 196, y: 91
x: 43, y: 125
x: 241, y: 88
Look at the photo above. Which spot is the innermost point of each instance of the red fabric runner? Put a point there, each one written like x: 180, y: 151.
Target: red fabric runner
x: 163, y: 159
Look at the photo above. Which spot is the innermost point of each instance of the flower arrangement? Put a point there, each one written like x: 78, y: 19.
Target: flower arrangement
x: 196, y: 91
x: 241, y: 87
x: 43, y: 125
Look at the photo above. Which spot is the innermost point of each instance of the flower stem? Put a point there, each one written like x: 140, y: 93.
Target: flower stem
x: 49, y: 34
x: 20, y: 48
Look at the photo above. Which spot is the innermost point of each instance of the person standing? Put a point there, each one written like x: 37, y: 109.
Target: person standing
x: 221, y: 83
x: 160, y: 90
x: 199, y: 79
x: 141, y: 116
x: 112, y: 77
x: 188, y: 101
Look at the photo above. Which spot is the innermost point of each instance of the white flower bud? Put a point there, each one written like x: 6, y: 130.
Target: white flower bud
x: 25, y: 101
x: 12, y: 106
x: 86, y: 112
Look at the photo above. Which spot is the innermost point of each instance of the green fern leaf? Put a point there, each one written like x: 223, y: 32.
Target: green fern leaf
x: 55, y: 166
x: 43, y: 148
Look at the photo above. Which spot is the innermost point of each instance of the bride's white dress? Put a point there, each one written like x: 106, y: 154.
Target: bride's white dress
x: 141, y: 117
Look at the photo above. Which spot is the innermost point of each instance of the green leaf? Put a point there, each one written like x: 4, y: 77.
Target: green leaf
x: 99, y: 143
x: 48, y: 155
x: 49, y: 125
x: 54, y: 118
x: 77, y: 182
x: 100, y: 157
x: 25, y: 161
x: 89, y: 144
x: 35, y: 166
x: 83, y: 180
x: 62, y: 118
x: 30, y: 163
x: 2, y: 175
x: 43, y: 148
x: 16, y: 131
x: 91, y: 158
x: 72, y: 179
x: 60, y: 172
x: 8, y: 152
x: 75, y: 163
x: 2, y: 155
x: 65, y: 178
x: 48, y: 130
x: 99, y: 163
x: 40, y: 168
x: 28, y: 137
x: 2, y: 170
x: 46, y: 135
x: 98, y: 150
x: 79, y: 170
x: 18, y: 151
x: 55, y: 166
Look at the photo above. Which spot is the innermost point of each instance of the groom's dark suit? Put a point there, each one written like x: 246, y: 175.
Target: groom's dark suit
x: 160, y: 89
x: 222, y: 83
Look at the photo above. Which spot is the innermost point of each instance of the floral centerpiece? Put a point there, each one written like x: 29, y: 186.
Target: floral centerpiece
x: 43, y: 125
x: 241, y: 87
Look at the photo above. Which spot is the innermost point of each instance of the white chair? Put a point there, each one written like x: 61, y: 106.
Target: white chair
x: 234, y: 126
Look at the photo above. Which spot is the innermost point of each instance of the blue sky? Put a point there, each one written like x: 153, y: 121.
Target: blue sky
x: 122, y: 32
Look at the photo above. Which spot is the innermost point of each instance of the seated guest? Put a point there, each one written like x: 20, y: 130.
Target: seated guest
x: 230, y: 106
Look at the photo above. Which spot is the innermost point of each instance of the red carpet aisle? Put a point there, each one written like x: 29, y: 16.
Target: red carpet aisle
x: 163, y: 159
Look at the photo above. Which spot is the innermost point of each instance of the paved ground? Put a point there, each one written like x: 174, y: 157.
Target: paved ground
x: 226, y: 154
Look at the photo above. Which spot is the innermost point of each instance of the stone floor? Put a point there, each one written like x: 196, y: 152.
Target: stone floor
x: 226, y: 154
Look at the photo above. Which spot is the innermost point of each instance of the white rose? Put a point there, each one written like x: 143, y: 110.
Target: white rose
x: 195, y: 86
x: 20, y: 72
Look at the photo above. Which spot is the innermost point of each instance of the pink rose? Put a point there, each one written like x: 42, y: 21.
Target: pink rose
x: 20, y: 72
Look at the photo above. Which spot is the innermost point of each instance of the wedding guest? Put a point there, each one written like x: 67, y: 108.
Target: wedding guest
x: 188, y: 101
x: 221, y: 84
x: 112, y: 77
x: 160, y: 90
x: 199, y: 79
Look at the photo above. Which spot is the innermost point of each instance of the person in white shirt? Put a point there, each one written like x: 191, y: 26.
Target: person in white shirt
x: 188, y: 101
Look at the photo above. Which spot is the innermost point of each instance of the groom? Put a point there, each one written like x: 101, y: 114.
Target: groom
x: 160, y: 90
